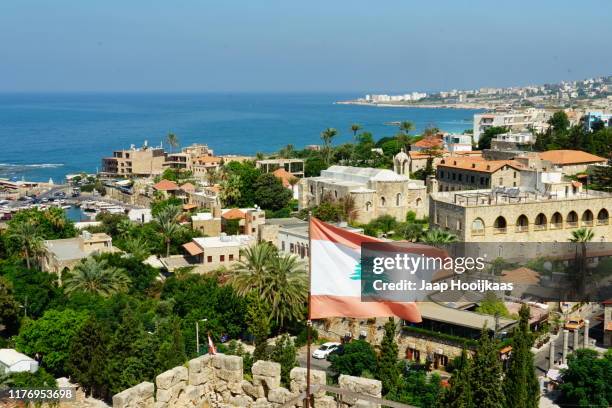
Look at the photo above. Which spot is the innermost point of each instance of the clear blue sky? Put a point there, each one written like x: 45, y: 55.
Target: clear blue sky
x: 285, y: 45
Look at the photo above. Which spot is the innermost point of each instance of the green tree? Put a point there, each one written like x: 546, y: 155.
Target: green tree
x: 521, y: 385
x: 87, y: 356
x: 40, y: 379
x: 559, y: 122
x: 167, y: 220
x: 95, y: 276
x: 9, y: 308
x: 355, y: 127
x: 284, y: 353
x: 27, y: 236
x: 138, y: 247
x: 358, y: 356
x: 486, y: 375
x: 314, y: 165
x: 258, y: 321
x: 388, y: 369
x: 50, y: 337
x: 328, y: 136
x: 172, y: 140
x: 410, y: 231
x: 230, y: 191
x: 437, y: 237
x: 492, y: 305
x: 459, y: 394
x: 270, y: 194
x: 586, y: 381
x: 384, y: 223
x: 484, y: 142
x: 171, y: 347
x: 406, y: 127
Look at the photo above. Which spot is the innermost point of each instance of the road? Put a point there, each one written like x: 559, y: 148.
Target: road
x: 315, y: 364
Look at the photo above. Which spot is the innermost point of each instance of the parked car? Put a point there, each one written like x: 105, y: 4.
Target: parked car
x: 325, y: 350
x: 574, y: 323
x: 338, y: 350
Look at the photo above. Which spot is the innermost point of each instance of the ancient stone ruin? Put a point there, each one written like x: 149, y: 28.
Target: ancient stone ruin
x: 218, y: 381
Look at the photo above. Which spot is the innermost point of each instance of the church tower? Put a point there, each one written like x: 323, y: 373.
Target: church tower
x: 401, y: 163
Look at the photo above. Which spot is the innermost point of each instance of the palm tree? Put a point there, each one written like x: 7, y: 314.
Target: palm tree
x: 231, y: 188
x: 249, y: 273
x: 582, y: 236
x: 406, y: 127
x: 287, y: 288
x: 355, y: 127
x: 27, y: 235
x: 138, y: 247
x: 411, y: 231
x: 280, y: 280
x: 167, y: 218
x: 327, y: 136
x: 437, y: 237
x: 172, y: 140
x: 56, y: 217
x: 125, y: 228
x: 96, y: 277
x: 286, y: 152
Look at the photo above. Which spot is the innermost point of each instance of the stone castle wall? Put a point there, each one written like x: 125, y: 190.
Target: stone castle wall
x: 218, y: 381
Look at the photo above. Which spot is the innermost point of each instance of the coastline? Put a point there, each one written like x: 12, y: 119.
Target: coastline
x: 465, y: 106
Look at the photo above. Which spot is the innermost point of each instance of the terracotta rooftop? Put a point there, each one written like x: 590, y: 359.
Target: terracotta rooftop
x: 570, y: 157
x: 478, y: 164
x: 233, y: 214
x: 192, y: 248
x: 428, y: 142
x: 187, y: 187
x: 166, y: 185
x: 521, y: 275
x: 284, y: 176
x: 208, y: 159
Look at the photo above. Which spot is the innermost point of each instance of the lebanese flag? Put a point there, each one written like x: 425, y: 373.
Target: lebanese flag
x: 335, y: 286
x: 211, y: 346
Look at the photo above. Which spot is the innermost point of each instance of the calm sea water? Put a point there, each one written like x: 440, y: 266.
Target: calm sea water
x: 51, y: 135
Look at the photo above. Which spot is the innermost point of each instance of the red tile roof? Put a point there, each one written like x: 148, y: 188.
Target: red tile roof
x: 564, y: 157
x: 284, y: 176
x: 428, y: 142
x: 233, y: 214
x: 193, y: 249
x: 188, y: 187
x: 478, y: 164
x: 166, y: 185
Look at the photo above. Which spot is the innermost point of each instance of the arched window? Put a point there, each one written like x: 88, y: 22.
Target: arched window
x: 478, y: 226
x: 500, y: 225
x: 587, y: 218
x: 383, y: 201
x: 398, y: 199
x: 556, y: 221
x: 368, y: 206
x: 522, y: 223
x: 602, y: 217
x: 572, y: 219
x: 419, y: 202
x: 540, y: 222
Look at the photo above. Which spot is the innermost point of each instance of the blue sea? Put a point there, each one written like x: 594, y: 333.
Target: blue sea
x: 46, y: 136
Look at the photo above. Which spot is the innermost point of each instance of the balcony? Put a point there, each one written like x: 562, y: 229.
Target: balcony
x: 602, y: 221
x: 477, y: 232
x: 500, y: 230
x: 522, y: 228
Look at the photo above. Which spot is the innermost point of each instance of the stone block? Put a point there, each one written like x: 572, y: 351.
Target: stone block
x: 262, y: 403
x: 241, y: 401
x: 266, y: 368
x: 140, y: 395
x: 298, y: 380
x: 360, y: 385
x: 235, y: 387
x: 172, y: 377
x: 255, y: 391
x: 326, y: 401
x: 281, y: 395
x: 229, y: 375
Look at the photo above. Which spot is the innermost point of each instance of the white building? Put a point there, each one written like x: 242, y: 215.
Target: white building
x: 140, y: 215
x: 12, y: 361
x: 457, y: 143
x: 515, y: 121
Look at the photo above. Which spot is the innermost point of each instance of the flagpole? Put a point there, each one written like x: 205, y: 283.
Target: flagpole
x: 308, y: 321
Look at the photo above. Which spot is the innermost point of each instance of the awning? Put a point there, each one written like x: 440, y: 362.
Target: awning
x: 193, y: 249
x: 576, y: 184
x: 188, y: 207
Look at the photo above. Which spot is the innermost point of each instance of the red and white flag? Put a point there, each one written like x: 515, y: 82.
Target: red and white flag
x: 211, y: 346
x: 335, y: 282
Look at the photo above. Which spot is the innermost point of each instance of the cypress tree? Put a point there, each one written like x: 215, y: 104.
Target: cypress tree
x: 486, y: 375
x: 520, y: 383
x: 460, y: 393
x: 388, y: 369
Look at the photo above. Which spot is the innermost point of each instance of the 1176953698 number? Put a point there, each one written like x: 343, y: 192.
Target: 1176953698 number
x: 37, y: 394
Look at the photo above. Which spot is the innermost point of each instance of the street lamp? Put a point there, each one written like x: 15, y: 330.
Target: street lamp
x: 197, y: 324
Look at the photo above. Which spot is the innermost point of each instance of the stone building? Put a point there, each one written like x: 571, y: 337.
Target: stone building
x: 454, y: 173
x: 135, y: 162
x: 375, y: 192
x: 521, y: 215
x: 607, y: 323
x: 572, y: 161
x: 293, y: 166
x: 60, y: 254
